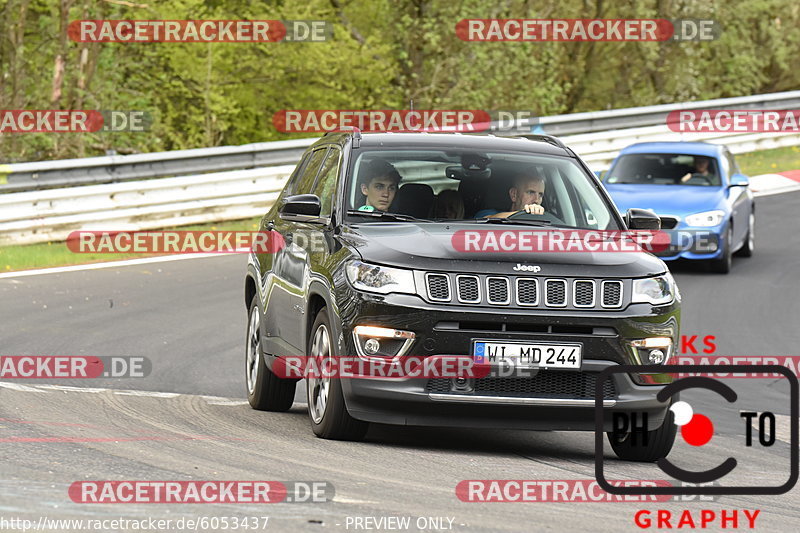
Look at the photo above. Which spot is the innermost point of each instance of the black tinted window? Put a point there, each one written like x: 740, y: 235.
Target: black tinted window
x: 326, y: 183
x: 306, y: 180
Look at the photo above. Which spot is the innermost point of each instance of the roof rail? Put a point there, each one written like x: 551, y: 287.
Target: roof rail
x: 555, y: 141
x: 356, y: 134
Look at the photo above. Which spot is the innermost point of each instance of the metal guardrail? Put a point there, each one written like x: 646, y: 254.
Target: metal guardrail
x: 19, y: 177
x: 210, y: 184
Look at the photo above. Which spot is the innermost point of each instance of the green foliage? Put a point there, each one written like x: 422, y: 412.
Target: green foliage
x: 384, y: 53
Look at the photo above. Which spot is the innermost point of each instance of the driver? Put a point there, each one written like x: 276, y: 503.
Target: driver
x: 379, y: 186
x: 526, y: 194
x: 701, y: 165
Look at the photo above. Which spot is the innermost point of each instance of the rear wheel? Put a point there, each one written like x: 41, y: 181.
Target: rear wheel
x: 326, y: 407
x: 723, y: 264
x: 265, y: 390
x: 750, y: 241
x: 659, y: 442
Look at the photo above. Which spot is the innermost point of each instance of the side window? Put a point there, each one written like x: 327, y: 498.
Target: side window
x: 732, y: 163
x: 291, y: 183
x: 306, y: 181
x: 726, y: 165
x: 326, y: 184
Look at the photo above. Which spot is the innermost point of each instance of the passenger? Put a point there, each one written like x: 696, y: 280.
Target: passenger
x: 526, y: 195
x: 379, y: 185
x: 449, y: 204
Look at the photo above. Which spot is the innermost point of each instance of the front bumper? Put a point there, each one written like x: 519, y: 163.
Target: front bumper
x: 552, y: 399
x: 693, y: 243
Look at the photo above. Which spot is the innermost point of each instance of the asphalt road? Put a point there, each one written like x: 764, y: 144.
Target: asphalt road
x: 188, y: 318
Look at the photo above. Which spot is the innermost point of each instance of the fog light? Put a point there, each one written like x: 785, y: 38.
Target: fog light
x: 656, y: 357
x: 652, y: 350
x: 372, y: 346
x: 375, y: 341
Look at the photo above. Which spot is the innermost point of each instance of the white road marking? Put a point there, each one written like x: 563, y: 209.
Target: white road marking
x: 18, y: 387
x: 108, y: 264
x: 210, y: 400
x: 70, y: 389
x: 146, y: 393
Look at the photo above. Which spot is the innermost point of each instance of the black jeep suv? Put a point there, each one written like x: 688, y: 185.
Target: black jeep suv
x: 375, y: 265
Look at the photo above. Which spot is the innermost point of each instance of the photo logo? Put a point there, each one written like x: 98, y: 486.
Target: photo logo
x: 697, y: 429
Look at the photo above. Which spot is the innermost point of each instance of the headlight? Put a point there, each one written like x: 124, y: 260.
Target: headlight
x: 657, y: 291
x: 706, y: 219
x: 380, y: 279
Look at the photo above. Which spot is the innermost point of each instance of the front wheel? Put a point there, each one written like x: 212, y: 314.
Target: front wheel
x: 265, y: 390
x: 658, y: 442
x: 723, y: 264
x: 750, y: 240
x: 326, y: 407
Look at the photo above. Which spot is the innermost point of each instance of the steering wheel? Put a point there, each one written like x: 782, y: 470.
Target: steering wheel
x: 524, y: 215
x: 707, y: 179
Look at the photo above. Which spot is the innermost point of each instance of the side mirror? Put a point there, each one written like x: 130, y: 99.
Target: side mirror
x: 301, y: 207
x: 739, y: 180
x: 642, y: 219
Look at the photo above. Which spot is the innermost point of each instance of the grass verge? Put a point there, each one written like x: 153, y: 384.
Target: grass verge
x: 52, y: 254
x: 770, y: 161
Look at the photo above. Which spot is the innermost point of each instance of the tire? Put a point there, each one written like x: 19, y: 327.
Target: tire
x: 265, y: 390
x: 750, y: 240
x: 326, y: 408
x: 723, y: 264
x: 659, y: 443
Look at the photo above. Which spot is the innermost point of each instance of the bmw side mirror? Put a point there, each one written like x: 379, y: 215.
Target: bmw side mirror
x: 642, y: 219
x: 301, y: 207
x: 739, y: 180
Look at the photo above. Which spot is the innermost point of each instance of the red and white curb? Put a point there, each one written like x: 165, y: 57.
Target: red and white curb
x: 768, y: 184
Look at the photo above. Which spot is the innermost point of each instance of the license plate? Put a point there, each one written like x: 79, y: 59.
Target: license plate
x: 527, y: 355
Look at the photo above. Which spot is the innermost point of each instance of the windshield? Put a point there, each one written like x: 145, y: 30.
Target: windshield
x: 446, y: 185
x: 665, y: 169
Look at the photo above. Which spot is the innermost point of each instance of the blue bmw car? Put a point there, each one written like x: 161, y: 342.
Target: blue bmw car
x: 697, y: 189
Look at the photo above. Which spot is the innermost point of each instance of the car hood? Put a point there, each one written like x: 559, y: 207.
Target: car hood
x: 429, y: 246
x: 678, y: 200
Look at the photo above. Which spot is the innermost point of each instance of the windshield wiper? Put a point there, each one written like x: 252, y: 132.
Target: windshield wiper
x: 513, y: 221
x: 383, y: 215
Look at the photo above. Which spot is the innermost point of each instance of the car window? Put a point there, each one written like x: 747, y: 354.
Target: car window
x: 665, y: 169
x: 309, y: 173
x: 455, y: 184
x: 325, y: 187
x: 734, y: 168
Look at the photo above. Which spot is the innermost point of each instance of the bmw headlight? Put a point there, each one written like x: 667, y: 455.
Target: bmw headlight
x: 380, y: 279
x: 706, y: 219
x: 659, y: 290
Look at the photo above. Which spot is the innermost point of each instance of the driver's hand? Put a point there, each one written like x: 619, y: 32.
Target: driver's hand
x: 686, y: 177
x: 534, y: 209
